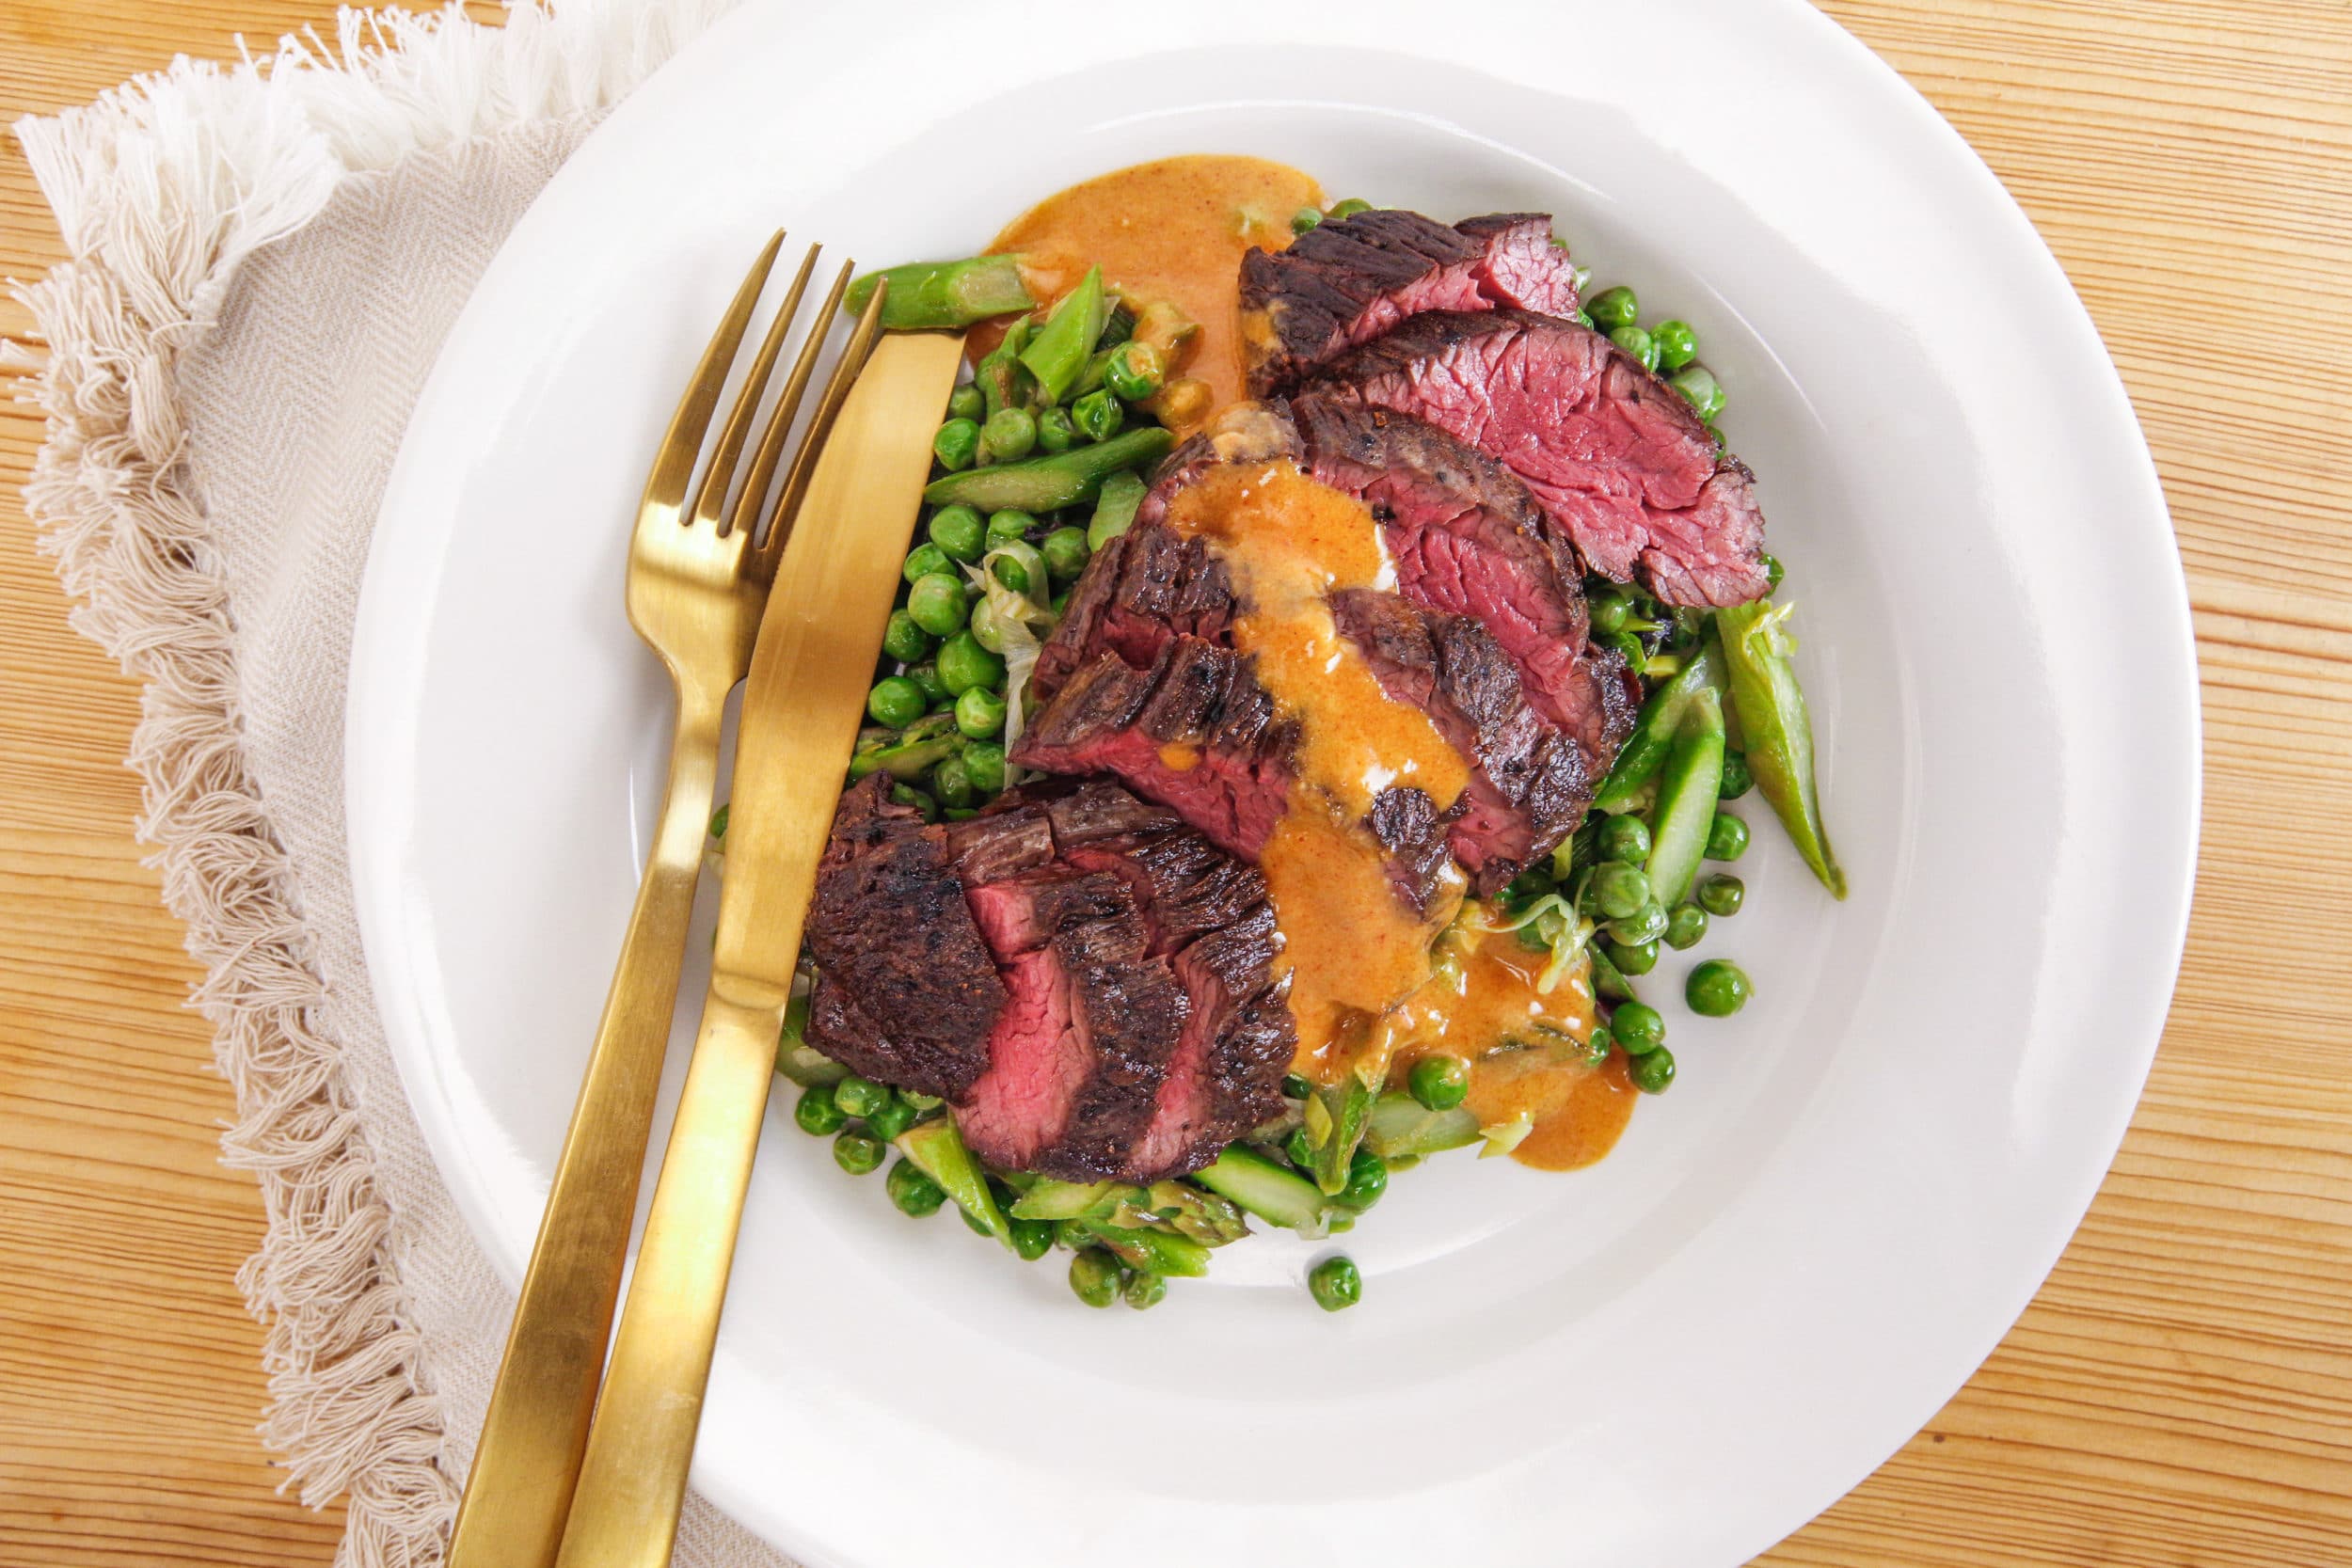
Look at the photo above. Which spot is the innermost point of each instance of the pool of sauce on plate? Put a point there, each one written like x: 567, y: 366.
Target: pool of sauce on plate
x: 1174, y: 229
x: 1485, y: 1003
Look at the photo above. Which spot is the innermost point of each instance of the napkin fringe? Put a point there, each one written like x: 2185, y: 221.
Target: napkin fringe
x: 161, y: 188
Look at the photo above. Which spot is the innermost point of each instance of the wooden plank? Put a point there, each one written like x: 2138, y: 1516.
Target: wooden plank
x: 2181, y: 1391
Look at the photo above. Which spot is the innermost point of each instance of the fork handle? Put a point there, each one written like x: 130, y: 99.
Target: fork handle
x: 518, y: 1490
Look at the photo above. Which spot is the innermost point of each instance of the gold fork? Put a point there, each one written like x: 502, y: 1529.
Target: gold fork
x: 698, y: 581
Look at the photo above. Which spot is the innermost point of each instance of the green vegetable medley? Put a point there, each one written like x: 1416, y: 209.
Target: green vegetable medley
x: 1040, y: 461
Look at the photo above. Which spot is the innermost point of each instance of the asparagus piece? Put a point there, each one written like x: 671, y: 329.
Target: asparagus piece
x: 906, y: 753
x: 1402, y: 1128
x: 1206, y: 1217
x: 1336, y: 1115
x: 1004, y: 382
x: 1115, y: 507
x: 1049, y: 1199
x: 1058, y: 351
x: 937, y: 1149
x: 1686, y: 799
x: 1759, y: 652
x: 1273, y: 1192
x: 1644, y: 751
x: 1160, y: 1252
x: 1048, y: 483
x: 943, y: 293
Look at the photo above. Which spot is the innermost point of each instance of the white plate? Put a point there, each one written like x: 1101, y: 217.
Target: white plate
x: 1795, y: 1255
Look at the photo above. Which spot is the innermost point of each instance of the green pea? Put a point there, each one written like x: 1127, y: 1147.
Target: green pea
x: 1639, y: 1027
x: 925, y: 676
x: 817, y: 1113
x: 1010, y: 572
x: 1726, y: 837
x: 923, y: 561
x: 1699, y: 388
x: 1305, y: 219
x: 1638, y: 343
x: 1625, y: 838
x: 1619, y: 891
x: 1094, y: 1277
x: 965, y: 664
x: 1612, y: 308
x: 859, y: 1153
x: 1440, y: 1083
x: 903, y: 640
x: 1597, y: 1045
x: 1647, y: 924
x: 915, y: 1194
x: 1296, y: 1086
x: 936, y: 602
x: 1336, y: 1284
x: 1635, y: 958
x: 980, y: 713
x: 1654, y: 1071
x: 1056, y: 431
x: 1677, y: 345
x: 985, y: 761
x: 1721, y: 894
x: 1298, y: 1150
x: 1717, y: 989
x: 1143, y: 1291
x: 1099, y: 415
x: 952, y: 782
x: 1610, y: 612
x: 956, y: 445
x: 966, y: 402
x: 896, y: 701
x: 1134, y: 371
x: 958, y: 533
x: 1349, y: 208
x: 1771, y: 569
x: 1686, y: 926
x: 860, y: 1097
x: 1367, y: 1178
x: 1010, y: 434
x: 1032, y: 1239
x: 1737, y: 781
x: 1008, y: 525
x: 1065, y: 552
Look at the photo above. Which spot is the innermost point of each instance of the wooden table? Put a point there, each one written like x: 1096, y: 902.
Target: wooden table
x: 2181, y: 1391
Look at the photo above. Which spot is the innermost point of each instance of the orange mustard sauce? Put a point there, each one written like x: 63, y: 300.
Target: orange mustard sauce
x: 1172, y: 231
x: 1353, y: 948
x: 1485, y: 1003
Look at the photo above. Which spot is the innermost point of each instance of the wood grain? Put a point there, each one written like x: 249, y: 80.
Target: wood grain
x: 2180, y: 1393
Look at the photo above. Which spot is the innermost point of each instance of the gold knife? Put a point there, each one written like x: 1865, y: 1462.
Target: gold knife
x: 811, y: 669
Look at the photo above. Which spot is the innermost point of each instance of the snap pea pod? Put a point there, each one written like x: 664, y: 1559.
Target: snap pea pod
x: 1050, y: 483
x: 1115, y: 507
x: 1686, y: 799
x: 1059, y: 349
x: 1050, y: 1200
x: 1757, y: 652
x: 926, y: 294
x: 937, y: 1150
x: 1644, y: 751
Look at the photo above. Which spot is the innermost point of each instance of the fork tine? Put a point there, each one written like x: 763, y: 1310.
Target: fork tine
x: 748, y: 506
x: 771, y: 549
x: 710, y: 495
x: 682, y: 442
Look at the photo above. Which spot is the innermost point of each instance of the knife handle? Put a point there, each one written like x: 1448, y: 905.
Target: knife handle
x: 519, y: 1487
x: 632, y: 1483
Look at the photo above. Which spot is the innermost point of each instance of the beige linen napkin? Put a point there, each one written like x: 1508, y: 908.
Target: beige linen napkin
x: 265, y: 261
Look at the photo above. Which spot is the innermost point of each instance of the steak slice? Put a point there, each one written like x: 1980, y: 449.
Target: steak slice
x: 1346, y: 282
x: 1528, y: 784
x: 1613, y: 456
x: 1145, y: 1028
x: 1468, y: 540
x: 907, y: 993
